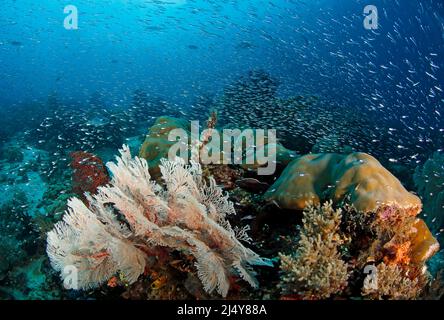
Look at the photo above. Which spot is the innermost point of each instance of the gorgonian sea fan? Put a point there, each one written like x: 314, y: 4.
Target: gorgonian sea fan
x: 186, y: 214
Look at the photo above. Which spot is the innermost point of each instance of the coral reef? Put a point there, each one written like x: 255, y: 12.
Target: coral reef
x: 423, y: 244
x: 393, y: 284
x: 55, y: 197
x: 89, y: 173
x: 224, y: 175
x: 378, y: 220
x: 159, y: 229
x: 315, y: 270
x: 64, y: 127
x: 31, y: 280
x: 157, y: 146
x: 334, y: 248
x: 24, y: 176
x: 134, y: 215
x: 302, y: 121
x: 11, y: 154
x: 276, y: 151
x: 358, y: 178
x: 393, y: 239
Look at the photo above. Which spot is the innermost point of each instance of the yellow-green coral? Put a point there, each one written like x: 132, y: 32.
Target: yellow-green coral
x: 357, y: 177
x: 316, y: 270
x: 424, y: 245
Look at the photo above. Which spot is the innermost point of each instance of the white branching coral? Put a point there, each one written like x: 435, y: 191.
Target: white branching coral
x: 393, y: 283
x: 134, y: 213
x: 316, y: 270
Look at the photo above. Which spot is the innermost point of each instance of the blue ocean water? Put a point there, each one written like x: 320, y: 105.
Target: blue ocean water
x: 102, y: 84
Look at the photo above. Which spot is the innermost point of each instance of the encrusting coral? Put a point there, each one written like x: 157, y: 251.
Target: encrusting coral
x: 315, y: 270
x: 395, y: 239
x: 399, y: 247
x: 89, y: 173
x: 134, y: 214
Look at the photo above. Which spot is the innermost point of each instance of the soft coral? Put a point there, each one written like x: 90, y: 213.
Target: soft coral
x: 89, y: 173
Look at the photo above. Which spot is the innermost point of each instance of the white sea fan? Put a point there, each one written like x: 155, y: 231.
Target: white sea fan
x: 186, y: 214
x: 95, y: 249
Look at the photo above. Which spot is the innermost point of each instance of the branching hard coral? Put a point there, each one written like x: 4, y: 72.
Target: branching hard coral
x: 392, y: 283
x: 316, y: 270
x: 379, y: 216
x: 134, y: 214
